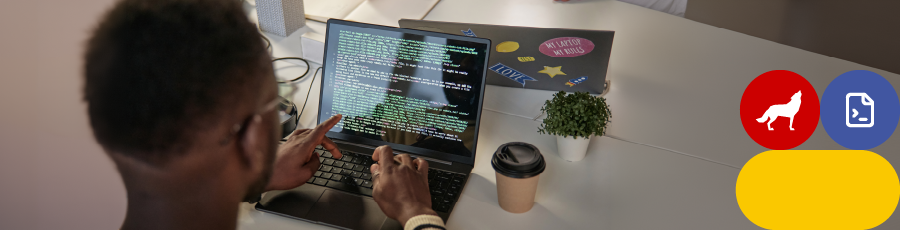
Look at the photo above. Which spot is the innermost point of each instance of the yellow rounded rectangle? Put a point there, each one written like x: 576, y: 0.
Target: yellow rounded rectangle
x: 817, y: 189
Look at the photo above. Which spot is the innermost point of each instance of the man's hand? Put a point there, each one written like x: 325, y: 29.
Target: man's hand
x: 400, y: 188
x: 295, y: 161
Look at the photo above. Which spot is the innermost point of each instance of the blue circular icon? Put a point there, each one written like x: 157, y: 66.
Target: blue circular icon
x: 860, y: 109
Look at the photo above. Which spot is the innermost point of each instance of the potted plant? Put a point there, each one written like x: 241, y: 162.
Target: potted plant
x: 575, y: 118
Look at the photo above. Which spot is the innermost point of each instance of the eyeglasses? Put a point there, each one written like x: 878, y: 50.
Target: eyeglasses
x: 285, y: 92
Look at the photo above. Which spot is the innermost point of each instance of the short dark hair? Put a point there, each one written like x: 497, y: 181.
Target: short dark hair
x: 158, y: 70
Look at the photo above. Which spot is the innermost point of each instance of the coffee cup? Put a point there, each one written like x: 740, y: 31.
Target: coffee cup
x: 518, y: 166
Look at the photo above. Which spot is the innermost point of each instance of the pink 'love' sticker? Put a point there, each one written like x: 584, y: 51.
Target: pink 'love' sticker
x: 567, y: 47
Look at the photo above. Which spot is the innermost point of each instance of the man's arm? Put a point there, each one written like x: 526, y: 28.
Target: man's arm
x: 401, y: 189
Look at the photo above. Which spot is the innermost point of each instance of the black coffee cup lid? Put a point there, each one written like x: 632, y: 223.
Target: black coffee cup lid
x: 518, y: 160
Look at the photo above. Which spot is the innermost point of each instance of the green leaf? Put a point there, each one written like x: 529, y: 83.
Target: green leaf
x: 577, y: 114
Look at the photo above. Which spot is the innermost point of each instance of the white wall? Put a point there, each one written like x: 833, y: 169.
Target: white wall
x: 53, y: 175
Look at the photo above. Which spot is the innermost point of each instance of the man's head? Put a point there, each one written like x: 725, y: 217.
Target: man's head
x: 178, y: 87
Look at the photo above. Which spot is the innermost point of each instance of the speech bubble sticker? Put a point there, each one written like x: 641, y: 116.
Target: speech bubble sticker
x: 566, y: 47
x: 507, y: 46
x: 469, y: 33
x: 576, y: 81
x: 511, y: 73
x: 552, y: 71
x: 526, y: 59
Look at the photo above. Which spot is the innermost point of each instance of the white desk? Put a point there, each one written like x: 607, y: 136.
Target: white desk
x: 667, y: 73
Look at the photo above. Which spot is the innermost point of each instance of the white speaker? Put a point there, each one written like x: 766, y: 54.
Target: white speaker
x: 281, y: 17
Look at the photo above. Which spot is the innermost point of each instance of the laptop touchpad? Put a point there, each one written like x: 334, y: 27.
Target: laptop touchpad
x: 295, y: 202
x: 345, y: 210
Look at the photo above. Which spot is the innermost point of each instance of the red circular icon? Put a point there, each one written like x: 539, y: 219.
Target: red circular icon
x: 780, y: 109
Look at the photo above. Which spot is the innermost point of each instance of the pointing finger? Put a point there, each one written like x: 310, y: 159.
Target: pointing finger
x: 323, y: 128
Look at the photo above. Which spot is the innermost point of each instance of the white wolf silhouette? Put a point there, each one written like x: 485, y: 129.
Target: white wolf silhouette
x: 783, y: 110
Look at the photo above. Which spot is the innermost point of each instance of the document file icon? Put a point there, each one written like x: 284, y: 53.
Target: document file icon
x: 860, y: 110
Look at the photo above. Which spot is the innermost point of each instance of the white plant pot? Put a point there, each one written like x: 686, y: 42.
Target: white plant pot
x: 572, y: 149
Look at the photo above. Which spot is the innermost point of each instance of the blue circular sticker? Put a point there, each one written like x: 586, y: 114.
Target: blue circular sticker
x: 860, y: 109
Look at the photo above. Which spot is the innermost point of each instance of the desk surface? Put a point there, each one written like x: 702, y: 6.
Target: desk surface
x: 661, y: 167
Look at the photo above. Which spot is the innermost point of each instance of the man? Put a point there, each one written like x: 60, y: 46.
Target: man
x: 181, y: 95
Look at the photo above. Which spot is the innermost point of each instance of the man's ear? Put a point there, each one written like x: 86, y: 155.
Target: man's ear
x: 252, y: 144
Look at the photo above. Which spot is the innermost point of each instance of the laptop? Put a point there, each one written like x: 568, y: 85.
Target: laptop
x: 418, y: 92
x: 555, y: 59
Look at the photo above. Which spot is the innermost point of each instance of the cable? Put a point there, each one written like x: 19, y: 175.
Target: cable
x: 308, y: 91
x: 305, y: 101
x: 268, y: 43
x: 311, y: 83
x: 294, y: 58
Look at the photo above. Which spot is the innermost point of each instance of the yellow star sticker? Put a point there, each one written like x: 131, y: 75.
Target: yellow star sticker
x: 552, y: 71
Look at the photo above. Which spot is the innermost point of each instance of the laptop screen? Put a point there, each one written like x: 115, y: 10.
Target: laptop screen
x: 419, y: 92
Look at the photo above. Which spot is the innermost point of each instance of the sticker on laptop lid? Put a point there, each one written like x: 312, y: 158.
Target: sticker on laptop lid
x: 507, y: 46
x: 511, y: 73
x: 469, y: 33
x: 566, y: 47
x: 552, y: 71
x: 526, y: 59
x: 576, y: 81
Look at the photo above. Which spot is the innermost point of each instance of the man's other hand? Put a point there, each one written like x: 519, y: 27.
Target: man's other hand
x: 296, y: 161
x: 400, y: 185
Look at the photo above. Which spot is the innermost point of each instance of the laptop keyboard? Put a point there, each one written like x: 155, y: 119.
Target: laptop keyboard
x: 350, y: 173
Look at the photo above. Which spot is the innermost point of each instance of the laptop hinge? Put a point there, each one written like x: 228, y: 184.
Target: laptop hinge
x: 397, y: 152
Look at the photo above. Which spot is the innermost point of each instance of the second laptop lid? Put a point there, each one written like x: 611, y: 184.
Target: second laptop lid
x: 537, y: 58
